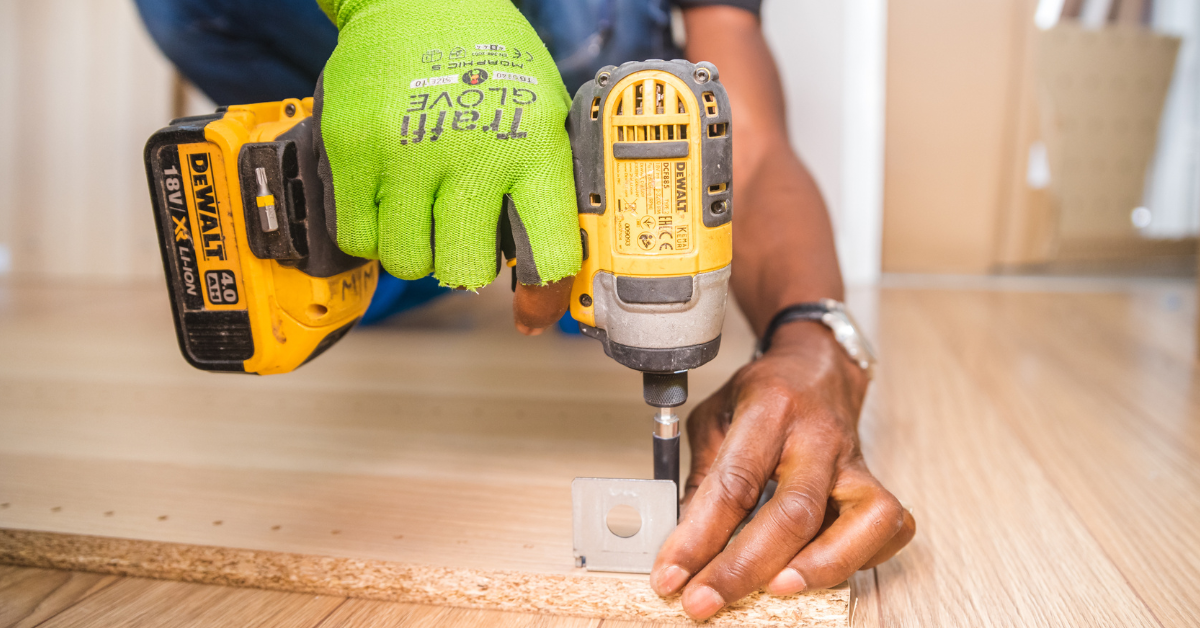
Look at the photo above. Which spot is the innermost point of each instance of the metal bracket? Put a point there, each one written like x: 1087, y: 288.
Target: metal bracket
x: 596, y: 547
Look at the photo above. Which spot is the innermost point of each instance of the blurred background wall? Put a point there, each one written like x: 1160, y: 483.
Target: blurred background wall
x: 929, y: 125
x: 82, y: 87
x: 1025, y: 135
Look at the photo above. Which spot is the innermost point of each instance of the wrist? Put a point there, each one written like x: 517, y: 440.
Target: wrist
x: 802, y: 337
x: 829, y: 318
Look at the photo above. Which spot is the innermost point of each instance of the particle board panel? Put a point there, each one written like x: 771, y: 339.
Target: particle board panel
x: 373, y: 614
x: 28, y: 597
x: 439, y: 450
x: 53, y: 592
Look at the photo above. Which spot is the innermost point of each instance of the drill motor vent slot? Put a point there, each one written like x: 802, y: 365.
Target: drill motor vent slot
x: 653, y: 113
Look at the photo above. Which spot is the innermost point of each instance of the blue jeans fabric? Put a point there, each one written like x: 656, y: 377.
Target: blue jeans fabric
x: 246, y: 51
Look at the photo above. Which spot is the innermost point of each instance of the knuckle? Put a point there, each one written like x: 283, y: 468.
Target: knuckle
x: 738, y: 484
x: 800, y: 511
x: 742, y: 571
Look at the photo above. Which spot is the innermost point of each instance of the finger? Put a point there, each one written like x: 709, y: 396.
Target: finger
x: 898, y: 542
x: 405, y: 225
x: 537, y: 307
x: 706, y: 432
x: 870, y: 519
x: 545, y: 221
x: 789, y: 520
x: 350, y: 198
x: 730, y: 489
x: 466, y: 215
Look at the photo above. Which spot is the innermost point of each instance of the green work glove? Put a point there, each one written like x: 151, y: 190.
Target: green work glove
x: 432, y: 115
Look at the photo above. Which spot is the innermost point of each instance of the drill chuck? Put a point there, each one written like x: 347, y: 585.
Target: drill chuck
x: 665, y: 390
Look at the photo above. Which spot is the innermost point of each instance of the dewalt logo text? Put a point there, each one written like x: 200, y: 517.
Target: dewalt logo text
x: 203, y: 199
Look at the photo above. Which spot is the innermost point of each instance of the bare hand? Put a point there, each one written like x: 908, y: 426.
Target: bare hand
x: 791, y: 416
x: 537, y: 307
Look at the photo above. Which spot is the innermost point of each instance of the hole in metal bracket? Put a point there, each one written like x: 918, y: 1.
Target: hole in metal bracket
x: 623, y: 520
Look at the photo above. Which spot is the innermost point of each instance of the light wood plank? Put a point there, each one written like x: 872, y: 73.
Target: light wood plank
x: 440, y: 450
x: 864, y: 600
x: 137, y: 602
x: 30, y: 596
x: 997, y: 543
x: 1044, y: 437
x: 1112, y: 423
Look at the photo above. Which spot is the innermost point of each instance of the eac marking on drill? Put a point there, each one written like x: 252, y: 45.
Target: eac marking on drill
x: 653, y: 215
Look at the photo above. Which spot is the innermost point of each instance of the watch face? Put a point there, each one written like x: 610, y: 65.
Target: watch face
x: 849, y: 336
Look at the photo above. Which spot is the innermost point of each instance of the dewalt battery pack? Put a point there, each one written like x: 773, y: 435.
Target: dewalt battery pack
x: 256, y: 283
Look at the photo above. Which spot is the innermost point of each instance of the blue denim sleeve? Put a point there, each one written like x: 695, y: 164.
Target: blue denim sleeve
x: 753, y: 6
x: 586, y: 35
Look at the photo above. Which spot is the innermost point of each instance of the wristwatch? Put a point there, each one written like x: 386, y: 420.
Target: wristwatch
x: 833, y: 315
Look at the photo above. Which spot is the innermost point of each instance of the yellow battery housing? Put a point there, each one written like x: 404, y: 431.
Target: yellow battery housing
x: 248, y: 294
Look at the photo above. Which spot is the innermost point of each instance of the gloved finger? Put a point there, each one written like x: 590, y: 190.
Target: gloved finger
x: 869, y: 521
x: 545, y: 220
x: 405, y: 231
x: 466, y: 215
x: 351, y: 214
x: 537, y: 307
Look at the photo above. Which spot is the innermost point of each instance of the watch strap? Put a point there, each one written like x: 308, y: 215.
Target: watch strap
x: 797, y: 312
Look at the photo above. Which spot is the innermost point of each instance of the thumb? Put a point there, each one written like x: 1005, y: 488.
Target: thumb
x: 537, y: 307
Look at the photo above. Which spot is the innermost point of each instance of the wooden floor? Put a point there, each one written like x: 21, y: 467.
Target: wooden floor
x: 60, y: 599
x: 1046, y: 434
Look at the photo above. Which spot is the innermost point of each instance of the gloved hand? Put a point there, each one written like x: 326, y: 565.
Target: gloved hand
x: 428, y: 114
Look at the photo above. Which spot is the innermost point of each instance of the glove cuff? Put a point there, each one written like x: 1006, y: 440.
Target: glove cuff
x: 341, y: 11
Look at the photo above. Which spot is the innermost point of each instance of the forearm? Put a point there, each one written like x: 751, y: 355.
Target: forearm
x: 782, y: 238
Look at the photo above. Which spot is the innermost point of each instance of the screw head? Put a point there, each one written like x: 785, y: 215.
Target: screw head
x: 701, y: 75
x: 585, y: 300
x: 602, y: 78
x: 720, y: 207
x: 289, y: 110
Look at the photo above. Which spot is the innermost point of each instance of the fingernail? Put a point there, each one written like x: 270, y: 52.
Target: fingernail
x: 668, y: 580
x: 702, y: 602
x: 788, y: 581
x: 529, y: 331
